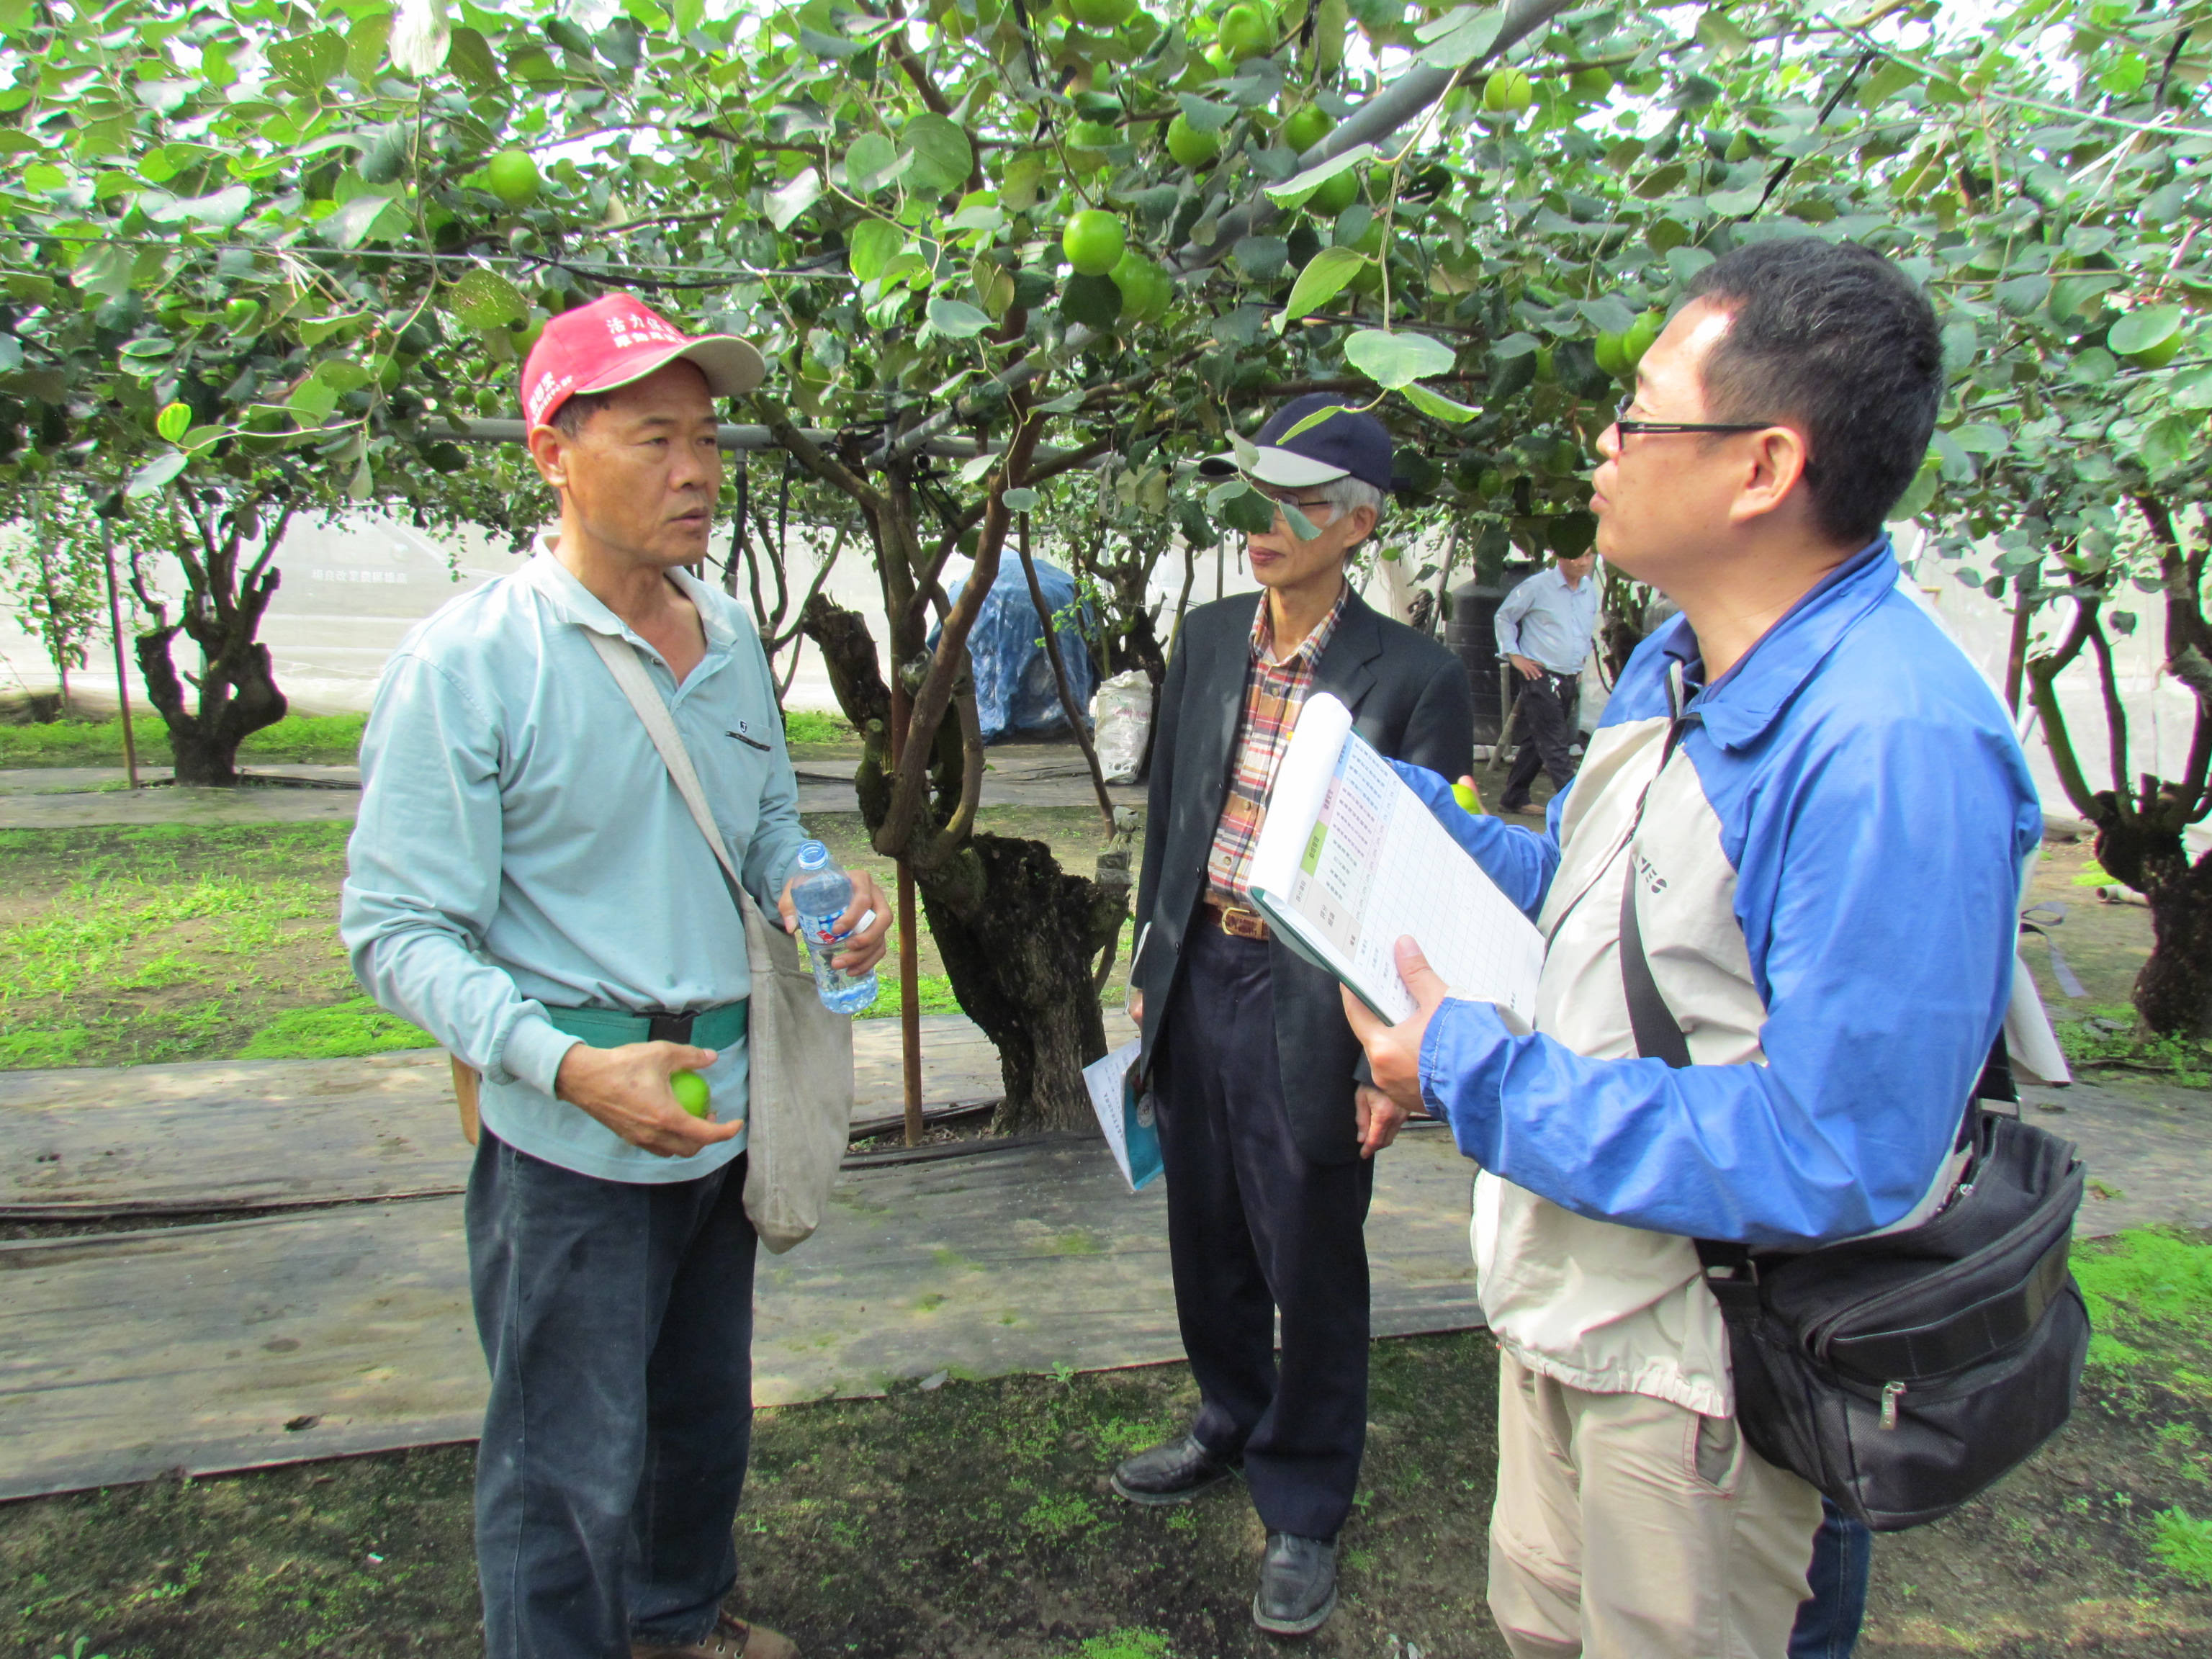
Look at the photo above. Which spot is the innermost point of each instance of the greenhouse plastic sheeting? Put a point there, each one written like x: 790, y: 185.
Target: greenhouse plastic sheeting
x: 1014, y: 691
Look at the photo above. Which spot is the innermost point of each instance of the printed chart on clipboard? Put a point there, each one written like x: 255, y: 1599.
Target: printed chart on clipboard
x: 1349, y: 860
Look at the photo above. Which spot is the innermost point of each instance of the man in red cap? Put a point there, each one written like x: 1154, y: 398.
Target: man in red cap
x: 526, y: 884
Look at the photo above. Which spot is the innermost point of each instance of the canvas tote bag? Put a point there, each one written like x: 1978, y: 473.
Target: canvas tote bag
x: 801, y: 1108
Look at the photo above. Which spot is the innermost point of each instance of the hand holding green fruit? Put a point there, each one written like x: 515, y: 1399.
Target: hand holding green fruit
x: 691, y: 1092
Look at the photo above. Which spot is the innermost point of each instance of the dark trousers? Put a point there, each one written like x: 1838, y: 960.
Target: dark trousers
x: 1254, y: 1227
x: 1546, y: 709
x: 618, y: 1320
x: 1828, y: 1620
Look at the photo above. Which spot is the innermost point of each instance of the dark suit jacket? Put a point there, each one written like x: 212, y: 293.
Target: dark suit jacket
x: 1409, y: 696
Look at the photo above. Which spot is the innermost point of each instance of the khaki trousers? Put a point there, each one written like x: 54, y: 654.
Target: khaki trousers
x: 1630, y: 1528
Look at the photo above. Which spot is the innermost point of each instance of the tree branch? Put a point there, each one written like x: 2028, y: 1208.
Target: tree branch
x: 2042, y: 672
x: 935, y: 695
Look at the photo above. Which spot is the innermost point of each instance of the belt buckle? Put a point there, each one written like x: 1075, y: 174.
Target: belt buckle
x: 668, y: 1027
x: 1239, y: 923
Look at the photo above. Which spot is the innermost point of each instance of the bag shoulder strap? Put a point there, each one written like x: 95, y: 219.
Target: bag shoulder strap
x: 629, y: 669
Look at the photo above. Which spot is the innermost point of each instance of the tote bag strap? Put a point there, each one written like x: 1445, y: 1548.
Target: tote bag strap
x: 629, y: 669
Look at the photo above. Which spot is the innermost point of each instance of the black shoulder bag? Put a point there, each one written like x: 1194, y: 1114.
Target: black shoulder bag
x: 1903, y: 1374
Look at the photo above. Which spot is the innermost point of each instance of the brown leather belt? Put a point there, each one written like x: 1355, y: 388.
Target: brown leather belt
x: 1235, y: 920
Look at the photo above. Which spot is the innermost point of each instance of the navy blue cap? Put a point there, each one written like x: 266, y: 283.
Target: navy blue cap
x: 1344, y: 446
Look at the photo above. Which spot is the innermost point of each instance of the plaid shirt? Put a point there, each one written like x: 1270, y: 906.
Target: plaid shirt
x: 1273, y: 694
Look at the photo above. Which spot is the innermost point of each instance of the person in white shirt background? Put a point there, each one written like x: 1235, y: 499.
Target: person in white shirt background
x: 1544, y: 631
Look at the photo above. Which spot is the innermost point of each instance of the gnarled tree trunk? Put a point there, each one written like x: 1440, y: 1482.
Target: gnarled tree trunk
x: 222, y: 608
x: 2173, y: 991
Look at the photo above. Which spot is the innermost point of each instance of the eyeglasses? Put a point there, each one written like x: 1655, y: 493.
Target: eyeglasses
x: 1628, y: 428
x: 1282, y: 497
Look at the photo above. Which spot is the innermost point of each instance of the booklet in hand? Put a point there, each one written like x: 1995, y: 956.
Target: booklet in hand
x: 1349, y: 860
x: 1125, y: 1118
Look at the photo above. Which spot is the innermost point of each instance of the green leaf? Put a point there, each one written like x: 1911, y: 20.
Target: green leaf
x: 1734, y: 203
x: 1260, y: 257
x: 2168, y: 443
x: 1327, y: 412
x: 1726, y: 40
x: 1020, y: 501
x: 312, y: 401
x: 1514, y: 345
x: 1469, y: 38
x: 469, y: 56
x: 2021, y: 296
x: 350, y: 224
x: 792, y: 197
x: 1237, y: 506
x: 1323, y: 279
x: 174, y: 421
x: 1981, y: 438
x: 1395, y: 361
x: 307, y: 61
x: 149, y: 479
x: 1094, y: 301
x: 869, y: 247
x: 873, y: 162
x: 2141, y: 330
x: 1430, y: 402
x: 1205, y: 116
x: 365, y: 42
x: 943, y: 158
x: 1294, y: 190
x: 1917, y: 494
x: 956, y: 318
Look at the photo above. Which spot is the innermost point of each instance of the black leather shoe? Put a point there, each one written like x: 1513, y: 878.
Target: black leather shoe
x: 1173, y: 1473
x: 1297, y: 1584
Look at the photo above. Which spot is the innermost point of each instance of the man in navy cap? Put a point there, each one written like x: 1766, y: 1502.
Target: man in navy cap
x: 1268, y: 1151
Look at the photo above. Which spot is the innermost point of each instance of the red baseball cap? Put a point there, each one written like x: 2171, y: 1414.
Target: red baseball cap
x: 614, y: 341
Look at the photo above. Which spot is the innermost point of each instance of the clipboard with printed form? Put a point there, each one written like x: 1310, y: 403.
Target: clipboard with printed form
x: 1349, y: 860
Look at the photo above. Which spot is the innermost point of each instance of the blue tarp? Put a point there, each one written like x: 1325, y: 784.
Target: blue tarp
x: 1014, y: 690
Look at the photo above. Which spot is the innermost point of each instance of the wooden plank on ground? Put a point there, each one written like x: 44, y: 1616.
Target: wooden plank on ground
x: 124, y: 1355
x: 235, y: 1134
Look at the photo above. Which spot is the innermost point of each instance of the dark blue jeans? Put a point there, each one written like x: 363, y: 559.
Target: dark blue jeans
x: 1843, y: 1556
x: 618, y: 1318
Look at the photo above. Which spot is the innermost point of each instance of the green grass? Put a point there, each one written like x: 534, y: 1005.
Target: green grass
x: 2185, y: 1543
x: 295, y: 740
x: 2139, y: 1281
x: 810, y: 725
x: 167, y: 942
x: 932, y: 990
x: 2091, y: 1040
x: 1137, y: 1643
x: 354, y: 1027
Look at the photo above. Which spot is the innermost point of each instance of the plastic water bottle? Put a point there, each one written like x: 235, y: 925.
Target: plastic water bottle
x: 820, y: 896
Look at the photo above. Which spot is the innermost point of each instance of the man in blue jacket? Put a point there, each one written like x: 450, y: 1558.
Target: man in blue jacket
x: 1819, y: 814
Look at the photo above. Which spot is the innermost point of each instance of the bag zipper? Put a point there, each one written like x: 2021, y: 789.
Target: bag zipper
x: 1891, y: 1394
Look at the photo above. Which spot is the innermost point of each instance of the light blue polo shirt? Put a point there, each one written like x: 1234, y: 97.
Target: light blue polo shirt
x: 521, y: 846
